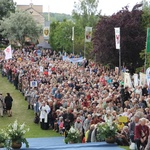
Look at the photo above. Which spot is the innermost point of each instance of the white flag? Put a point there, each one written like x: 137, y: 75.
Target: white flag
x: 88, y: 34
x: 8, y: 52
x: 117, y: 37
x: 136, y: 80
x: 142, y: 79
x: 148, y: 76
x: 127, y: 80
x: 72, y: 33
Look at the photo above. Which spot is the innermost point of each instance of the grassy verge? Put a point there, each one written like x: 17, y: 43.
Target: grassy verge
x: 21, y: 113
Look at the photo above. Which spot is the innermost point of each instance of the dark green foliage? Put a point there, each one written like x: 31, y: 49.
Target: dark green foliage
x: 6, y: 6
x: 132, y: 33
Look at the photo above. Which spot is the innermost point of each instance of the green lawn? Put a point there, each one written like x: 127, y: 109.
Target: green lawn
x: 21, y: 113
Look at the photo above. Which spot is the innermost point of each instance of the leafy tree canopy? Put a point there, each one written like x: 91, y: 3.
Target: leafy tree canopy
x: 20, y: 25
x: 6, y: 7
x: 133, y: 37
x: 85, y: 12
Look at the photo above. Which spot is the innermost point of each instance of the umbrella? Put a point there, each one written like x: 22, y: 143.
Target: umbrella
x: 44, y: 45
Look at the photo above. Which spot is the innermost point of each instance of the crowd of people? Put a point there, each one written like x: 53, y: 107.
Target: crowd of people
x: 64, y: 94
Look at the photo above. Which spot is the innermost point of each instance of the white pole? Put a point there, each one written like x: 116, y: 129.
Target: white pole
x: 84, y: 48
x: 48, y: 14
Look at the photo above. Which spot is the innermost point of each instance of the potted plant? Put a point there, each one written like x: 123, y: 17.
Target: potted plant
x: 107, y: 131
x: 16, y: 132
x: 73, y: 136
x: 3, y: 139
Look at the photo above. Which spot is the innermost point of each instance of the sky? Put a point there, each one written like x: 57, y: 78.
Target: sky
x: 108, y: 7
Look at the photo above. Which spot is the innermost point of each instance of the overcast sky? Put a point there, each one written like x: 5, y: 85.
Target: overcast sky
x: 108, y: 7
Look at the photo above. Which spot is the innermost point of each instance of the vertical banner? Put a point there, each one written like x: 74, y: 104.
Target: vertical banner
x: 46, y: 32
x: 136, y: 80
x: 72, y: 33
x: 127, y: 80
x: 148, y: 41
x: 142, y: 79
x: 8, y: 52
x: 148, y: 76
x: 88, y: 34
x: 117, y: 37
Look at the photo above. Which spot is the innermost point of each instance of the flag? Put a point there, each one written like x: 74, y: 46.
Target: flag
x: 127, y: 80
x: 88, y: 34
x: 8, y: 52
x: 148, y: 41
x: 148, y: 76
x: 72, y: 33
x: 46, y: 32
x: 117, y: 37
x: 142, y: 79
x: 136, y: 80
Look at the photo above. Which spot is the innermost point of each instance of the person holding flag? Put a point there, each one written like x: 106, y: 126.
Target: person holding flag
x: 8, y: 53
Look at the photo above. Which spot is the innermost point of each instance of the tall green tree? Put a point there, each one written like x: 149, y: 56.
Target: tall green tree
x: 61, y: 36
x: 20, y: 25
x: 85, y: 13
x: 53, y: 27
x: 6, y: 7
x: 145, y: 24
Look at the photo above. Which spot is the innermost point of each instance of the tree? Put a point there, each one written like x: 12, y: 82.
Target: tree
x: 60, y: 36
x: 84, y: 14
x: 19, y: 26
x: 133, y: 37
x: 6, y: 7
x: 53, y: 27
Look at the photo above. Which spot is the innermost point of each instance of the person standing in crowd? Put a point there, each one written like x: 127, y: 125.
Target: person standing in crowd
x: 1, y: 105
x: 8, y: 103
x: 132, y: 127
x: 141, y: 134
x: 68, y: 119
x: 44, y: 111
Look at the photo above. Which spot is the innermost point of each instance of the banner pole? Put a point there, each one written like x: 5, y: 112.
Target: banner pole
x: 119, y: 61
x: 73, y: 47
x: 146, y: 50
x: 84, y: 48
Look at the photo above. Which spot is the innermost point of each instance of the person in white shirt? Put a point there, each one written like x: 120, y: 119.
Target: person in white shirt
x: 44, y: 111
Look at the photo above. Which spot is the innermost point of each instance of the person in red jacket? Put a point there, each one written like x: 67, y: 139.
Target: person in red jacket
x: 141, y: 133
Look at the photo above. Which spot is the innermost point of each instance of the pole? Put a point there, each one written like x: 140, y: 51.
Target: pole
x: 73, y: 47
x: 146, y: 50
x: 145, y: 62
x: 48, y: 14
x: 84, y: 48
x: 119, y: 61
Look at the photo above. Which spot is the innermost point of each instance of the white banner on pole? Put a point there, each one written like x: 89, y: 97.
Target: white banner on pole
x: 117, y: 37
x: 88, y: 34
x: 72, y: 33
x: 46, y: 32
